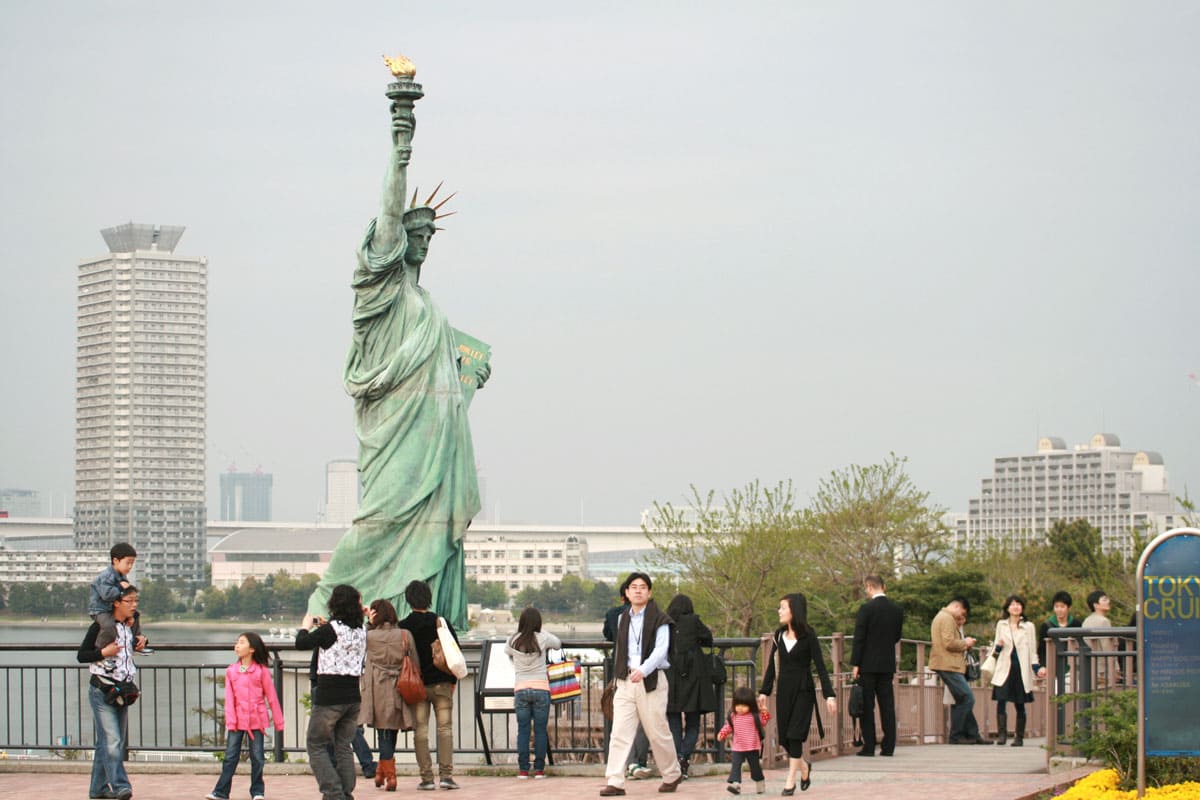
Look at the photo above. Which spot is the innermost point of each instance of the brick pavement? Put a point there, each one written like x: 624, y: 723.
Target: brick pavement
x: 915, y: 773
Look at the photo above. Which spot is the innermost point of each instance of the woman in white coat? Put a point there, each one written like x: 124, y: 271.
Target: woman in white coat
x: 1016, y: 666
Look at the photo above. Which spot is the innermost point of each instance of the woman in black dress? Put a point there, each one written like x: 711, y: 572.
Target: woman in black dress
x: 796, y: 649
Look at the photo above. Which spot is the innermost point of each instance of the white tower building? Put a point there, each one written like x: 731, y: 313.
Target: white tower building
x: 140, y: 379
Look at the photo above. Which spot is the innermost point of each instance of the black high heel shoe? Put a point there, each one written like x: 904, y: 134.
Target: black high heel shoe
x: 807, y: 782
x: 788, y: 792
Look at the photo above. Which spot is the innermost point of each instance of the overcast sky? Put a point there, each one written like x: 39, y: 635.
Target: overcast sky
x: 708, y: 242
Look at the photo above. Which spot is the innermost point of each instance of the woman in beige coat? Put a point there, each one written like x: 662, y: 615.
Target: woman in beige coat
x: 382, y: 707
x: 1016, y: 666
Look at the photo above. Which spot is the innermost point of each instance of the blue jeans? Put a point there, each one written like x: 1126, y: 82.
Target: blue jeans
x: 108, y: 769
x: 387, y: 743
x: 532, y: 706
x: 685, y: 730
x: 962, y: 713
x: 233, y: 753
x: 337, y: 725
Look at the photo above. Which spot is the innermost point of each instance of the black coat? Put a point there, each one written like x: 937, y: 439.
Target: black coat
x: 689, y: 677
x: 797, y: 691
x: 876, y: 632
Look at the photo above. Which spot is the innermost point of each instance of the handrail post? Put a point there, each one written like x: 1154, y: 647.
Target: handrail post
x: 277, y: 677
x: 920, y: 667
x: 837, y: 652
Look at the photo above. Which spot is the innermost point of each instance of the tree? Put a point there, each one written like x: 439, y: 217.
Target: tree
x: 870, y: 520
x: 732, y: 558
x: 155, y: 599
x: 489, y: 594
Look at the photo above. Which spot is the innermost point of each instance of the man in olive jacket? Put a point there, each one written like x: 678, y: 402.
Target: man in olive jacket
x: 949, y: 662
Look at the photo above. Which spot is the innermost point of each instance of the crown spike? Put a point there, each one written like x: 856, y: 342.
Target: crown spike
x: 432, y: 194
x: 413, y: 203
x: 447, y: 214
x: 447, y: 199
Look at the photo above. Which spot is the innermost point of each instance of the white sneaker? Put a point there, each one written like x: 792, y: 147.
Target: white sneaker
x: 641, y: 773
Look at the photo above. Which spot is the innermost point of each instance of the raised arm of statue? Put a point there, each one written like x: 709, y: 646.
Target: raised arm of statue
x: 390, y: 227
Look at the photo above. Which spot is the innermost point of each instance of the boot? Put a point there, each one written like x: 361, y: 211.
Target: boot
x: 380, y: 773
x: 1019, y: 737
x: 1001, y: 728
x: 388, y: 768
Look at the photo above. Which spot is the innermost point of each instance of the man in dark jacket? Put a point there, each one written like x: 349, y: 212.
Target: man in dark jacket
x: 873, y: 660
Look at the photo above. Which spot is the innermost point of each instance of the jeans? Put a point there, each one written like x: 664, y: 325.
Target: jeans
x: 962, y: 714
x: 748, y: 757
x: 233, y: 753
x: 111, y: 724
x: 337, y: 724
x: 532, y: 706
x: 387, y: 743
x: 685, y: 730
x: 441, y: 697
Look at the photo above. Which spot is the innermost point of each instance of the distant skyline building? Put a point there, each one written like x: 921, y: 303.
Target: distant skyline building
x: 21, y: 502
x: 246, y: 496
x: 140, y: 383
x: 1115, y: 489
x: 341, y: 491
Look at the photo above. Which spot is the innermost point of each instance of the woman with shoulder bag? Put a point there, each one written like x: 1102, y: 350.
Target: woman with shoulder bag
x: 382, y: 706
x: 424, y: 624
x: 1016, y: 666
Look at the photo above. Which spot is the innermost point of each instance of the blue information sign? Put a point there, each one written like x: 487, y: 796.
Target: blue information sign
x: 1169, y: 597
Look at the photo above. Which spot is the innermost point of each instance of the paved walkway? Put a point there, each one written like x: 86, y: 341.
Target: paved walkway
x: 914, y: 773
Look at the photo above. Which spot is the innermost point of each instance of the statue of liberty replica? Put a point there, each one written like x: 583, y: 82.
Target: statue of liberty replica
x: 412, y: 377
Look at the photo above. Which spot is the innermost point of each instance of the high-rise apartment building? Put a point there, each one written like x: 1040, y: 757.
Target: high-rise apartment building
x: 1116, y: 490
x: 141, y: 364
x: 341, y: 491
x: 246, y: 496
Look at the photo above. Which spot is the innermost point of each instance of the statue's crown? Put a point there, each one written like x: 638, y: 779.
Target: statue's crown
x: 419, y: 216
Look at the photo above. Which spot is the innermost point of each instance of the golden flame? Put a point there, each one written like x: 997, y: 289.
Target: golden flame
x: 400, y: 66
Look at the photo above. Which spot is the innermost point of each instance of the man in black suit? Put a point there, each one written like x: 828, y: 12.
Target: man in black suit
x: 873, y: 660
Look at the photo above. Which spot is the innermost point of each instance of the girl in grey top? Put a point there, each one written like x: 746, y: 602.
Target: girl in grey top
x: 531, y: 689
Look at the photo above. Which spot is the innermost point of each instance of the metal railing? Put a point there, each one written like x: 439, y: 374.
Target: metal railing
x: 1085, y: 664
x: 179, y: 713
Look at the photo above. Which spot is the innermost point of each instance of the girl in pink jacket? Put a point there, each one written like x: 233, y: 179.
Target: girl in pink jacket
x: 247, y: 685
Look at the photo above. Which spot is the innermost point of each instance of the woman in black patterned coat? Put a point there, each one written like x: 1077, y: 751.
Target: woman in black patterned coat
x: 798, y: 650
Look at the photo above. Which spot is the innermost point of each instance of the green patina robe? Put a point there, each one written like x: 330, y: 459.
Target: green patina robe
x: 416, y: 462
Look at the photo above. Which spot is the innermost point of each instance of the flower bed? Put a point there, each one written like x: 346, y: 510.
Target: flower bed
x: 1102, y: 785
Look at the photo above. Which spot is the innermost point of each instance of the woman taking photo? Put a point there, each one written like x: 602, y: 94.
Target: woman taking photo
x: 690, y: 690
x: 382, y: 707
x: 1016, y: 664
x: 531, y: 689
x: 795, y: 648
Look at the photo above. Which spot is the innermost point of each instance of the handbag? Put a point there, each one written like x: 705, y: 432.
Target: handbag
x: 988, y: 668
x: 972, y: 670
x: 410, y: 685
x: 716, y: 669
x: 563, y: 674
x: 607, y: 697
x: 116, y: 692
x: 445, y: 649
